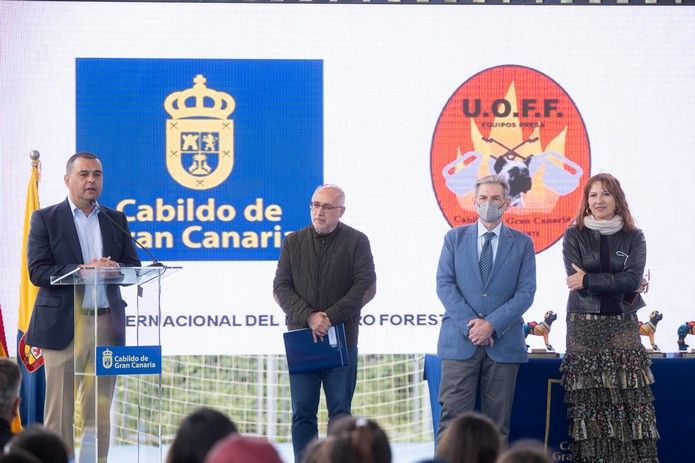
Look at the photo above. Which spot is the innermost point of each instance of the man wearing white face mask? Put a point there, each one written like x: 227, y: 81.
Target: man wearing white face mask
x: 486, y: 280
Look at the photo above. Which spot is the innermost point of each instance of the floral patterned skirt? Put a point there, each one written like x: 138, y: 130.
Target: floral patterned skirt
x: 606, y: 376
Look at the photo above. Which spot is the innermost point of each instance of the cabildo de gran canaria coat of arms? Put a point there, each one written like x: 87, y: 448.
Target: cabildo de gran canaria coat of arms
x: 200, y: 137
x: 107, y: 358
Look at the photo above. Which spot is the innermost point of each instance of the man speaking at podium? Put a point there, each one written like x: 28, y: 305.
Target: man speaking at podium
x: 75, y: 233
x: 325, y: 276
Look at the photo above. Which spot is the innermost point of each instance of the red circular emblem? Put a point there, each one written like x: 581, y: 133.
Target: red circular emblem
x: 519, y: 123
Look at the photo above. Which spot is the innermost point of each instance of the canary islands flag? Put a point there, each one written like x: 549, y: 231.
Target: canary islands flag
x: 30, y: 358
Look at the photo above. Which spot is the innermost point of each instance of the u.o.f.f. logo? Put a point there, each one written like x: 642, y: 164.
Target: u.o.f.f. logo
x: 519, y: 123
x: 199, y: 136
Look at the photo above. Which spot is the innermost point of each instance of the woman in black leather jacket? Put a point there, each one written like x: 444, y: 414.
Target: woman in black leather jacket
x: 605, y: 371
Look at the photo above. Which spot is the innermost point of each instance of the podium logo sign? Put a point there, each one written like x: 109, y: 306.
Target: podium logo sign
x: 208, y: 159
x: 128, y: 360
x: 519, y: 123
x: 107, y: 358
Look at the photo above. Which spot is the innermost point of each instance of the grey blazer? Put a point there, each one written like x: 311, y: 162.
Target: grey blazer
x: 502, y: 301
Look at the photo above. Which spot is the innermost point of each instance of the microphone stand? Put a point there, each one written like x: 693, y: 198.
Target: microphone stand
x: 155, y: 262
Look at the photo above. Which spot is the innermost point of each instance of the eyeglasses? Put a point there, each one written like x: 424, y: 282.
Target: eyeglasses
x: 324, y: 206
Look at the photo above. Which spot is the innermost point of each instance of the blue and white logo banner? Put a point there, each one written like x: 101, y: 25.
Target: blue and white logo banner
x: 128, y: 360
x: 209, y: 159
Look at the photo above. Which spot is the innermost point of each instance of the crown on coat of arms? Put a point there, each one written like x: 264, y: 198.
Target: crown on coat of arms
x: 199, y: 101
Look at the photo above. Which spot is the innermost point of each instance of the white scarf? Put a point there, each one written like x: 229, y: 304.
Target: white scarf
x: 604, y: 227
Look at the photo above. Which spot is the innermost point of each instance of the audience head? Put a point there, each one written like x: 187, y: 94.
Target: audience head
x: 526, y: 451
x: 315, y: 452
x: 9, y: 388
x: 19, y: 456
x: 44, y: 444
x: 363, y: 437
x: 198, y: 433
x: 331, y: 449
x: 470, y: 438
x: 243, y: 449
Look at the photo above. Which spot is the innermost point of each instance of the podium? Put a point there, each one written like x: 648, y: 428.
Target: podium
x: 103, y: 356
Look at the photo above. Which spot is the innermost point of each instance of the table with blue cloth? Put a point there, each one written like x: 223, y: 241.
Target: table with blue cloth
x: 538, y: 411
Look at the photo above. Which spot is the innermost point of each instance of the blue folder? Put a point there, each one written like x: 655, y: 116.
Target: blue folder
x: 304, y: 355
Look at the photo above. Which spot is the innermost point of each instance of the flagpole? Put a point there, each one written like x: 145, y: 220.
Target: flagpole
x: 35, y: 162
x: 29, y: 358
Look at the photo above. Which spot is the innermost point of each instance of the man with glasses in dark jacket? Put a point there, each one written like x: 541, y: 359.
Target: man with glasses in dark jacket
x: 325, y: 276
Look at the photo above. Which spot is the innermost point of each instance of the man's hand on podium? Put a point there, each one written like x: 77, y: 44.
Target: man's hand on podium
x: 100, y: 263
x: 107, y: 268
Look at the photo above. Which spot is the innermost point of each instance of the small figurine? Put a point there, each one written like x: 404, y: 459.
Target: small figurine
x: 541, y: 329
x: 684, y: 330
x: 649, y: 328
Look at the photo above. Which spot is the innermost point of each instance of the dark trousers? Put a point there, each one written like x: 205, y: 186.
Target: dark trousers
x: 338, y: 386
x: 461, y: 380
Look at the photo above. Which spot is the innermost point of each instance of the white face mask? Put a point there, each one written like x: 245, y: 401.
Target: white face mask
x: 489, y: 211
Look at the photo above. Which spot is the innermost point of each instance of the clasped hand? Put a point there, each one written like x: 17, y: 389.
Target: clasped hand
x: 576, y: 280
x: 480, y: 332
x: 101, y: 262
x: 319, y: 324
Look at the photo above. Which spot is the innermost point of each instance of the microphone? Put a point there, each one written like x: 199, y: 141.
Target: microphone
x: 155, y: 262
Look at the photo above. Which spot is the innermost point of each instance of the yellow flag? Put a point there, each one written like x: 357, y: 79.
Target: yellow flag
x: 31, y: 357
x: 27, y: 291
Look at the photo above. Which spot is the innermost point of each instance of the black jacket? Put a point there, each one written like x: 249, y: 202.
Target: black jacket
x: 332, y: 273
x: 53, y: 248
x: 628, y: 255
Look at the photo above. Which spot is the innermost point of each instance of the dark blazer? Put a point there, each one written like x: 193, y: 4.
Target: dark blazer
x: 53, y: 248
